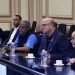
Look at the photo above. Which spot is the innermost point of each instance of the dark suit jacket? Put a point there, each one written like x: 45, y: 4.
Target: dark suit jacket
x: 10, y: 35
x: 56, y: 45
x: 72, y: 51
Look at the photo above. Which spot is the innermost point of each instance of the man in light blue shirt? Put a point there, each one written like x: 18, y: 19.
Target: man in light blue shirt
x: 26, y: 41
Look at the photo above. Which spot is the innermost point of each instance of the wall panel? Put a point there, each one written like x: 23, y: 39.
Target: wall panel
x: 5, y: 25
x: 5, y: 8
x: 60, y: 8
x: 24, y: 9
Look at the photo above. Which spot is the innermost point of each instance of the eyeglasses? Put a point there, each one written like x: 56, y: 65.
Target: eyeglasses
x: 23, y: 27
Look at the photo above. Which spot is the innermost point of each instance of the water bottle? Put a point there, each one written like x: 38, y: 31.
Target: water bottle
x: 43, y: 57
x: 12, y: 52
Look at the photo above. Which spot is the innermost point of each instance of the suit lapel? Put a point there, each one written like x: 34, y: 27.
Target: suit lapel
x: 56, y: 36
x: 16, y: 35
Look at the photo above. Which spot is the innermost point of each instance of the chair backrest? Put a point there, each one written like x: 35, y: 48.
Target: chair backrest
x: 62, y: 28
x: 72, y: 28
x: 5, y: 35
x: 33, y: 25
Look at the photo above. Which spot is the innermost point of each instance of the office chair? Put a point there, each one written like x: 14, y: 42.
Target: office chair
x: 33, y: 25
x: 62, y: 28
x: 72, y: 28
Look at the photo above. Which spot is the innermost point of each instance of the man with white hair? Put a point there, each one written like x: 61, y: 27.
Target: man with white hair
x: 72, y: 55
x: 73, y: 39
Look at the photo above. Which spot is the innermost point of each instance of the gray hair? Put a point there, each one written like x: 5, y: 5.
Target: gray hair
x: 26, y: 23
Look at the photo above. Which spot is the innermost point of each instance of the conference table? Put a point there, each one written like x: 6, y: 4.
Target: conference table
x: 20, y: 65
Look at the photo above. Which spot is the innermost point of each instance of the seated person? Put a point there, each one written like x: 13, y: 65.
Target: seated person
x: 53, y: 41
x: 72, y: 55
x: 14, y: 31
x: 26, y: 41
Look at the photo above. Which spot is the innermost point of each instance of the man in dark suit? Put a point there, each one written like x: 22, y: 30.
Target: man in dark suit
x: 72, y: 47
x: 14, y: 31
x: 53, y: 41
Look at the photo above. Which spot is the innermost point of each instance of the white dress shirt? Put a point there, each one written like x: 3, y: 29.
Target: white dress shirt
x: 12, y: 35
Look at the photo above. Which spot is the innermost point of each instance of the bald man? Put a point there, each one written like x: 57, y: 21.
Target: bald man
x: 72, y: 59
x: 54, y: 42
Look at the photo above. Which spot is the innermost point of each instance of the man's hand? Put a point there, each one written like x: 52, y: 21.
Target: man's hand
x: 72, y: 60
x: 6, y: 48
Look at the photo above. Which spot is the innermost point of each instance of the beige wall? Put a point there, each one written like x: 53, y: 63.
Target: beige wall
x: 62, y: 11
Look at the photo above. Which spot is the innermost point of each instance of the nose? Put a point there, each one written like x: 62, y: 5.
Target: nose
x: 71, y: 41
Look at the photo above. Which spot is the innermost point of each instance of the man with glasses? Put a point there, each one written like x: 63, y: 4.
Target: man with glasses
x: 53, y: 41
x: 72, y: 47
x: 26, y: 41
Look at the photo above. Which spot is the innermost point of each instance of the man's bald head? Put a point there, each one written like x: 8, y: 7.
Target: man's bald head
x: 48, y: 20
x: 48, y: 25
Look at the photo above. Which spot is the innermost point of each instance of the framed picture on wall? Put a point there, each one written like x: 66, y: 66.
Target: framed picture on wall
x: 5, y: 8
x: 60, y: 8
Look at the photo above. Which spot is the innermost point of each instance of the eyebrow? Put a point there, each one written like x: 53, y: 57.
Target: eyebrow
x: 46, y: 24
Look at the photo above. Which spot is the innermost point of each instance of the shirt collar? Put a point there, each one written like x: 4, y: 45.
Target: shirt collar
x: 15, y: 28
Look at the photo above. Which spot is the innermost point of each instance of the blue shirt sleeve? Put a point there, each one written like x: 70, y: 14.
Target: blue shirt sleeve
x: 31, y: 41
